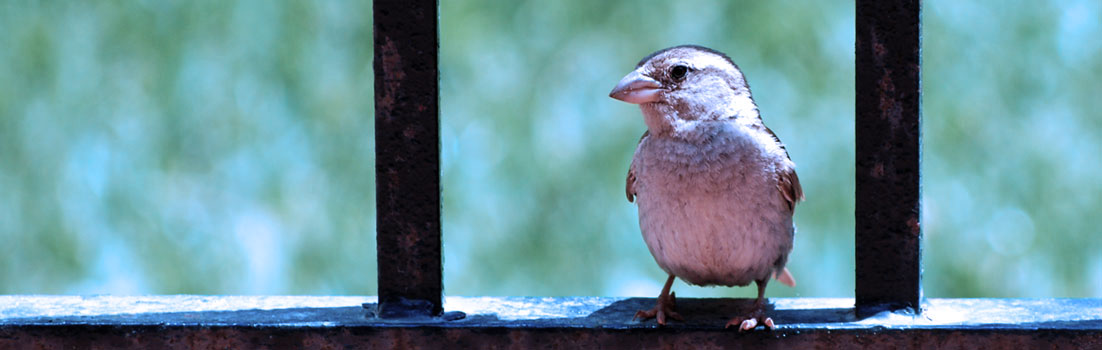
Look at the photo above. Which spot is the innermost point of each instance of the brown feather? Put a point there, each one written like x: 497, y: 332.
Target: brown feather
x: 787, y: 181
x: 630, y: 186
x: 789, y: 185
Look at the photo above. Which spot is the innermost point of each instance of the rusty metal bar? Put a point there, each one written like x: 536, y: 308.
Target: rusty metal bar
x: 407, y: 158
x: 888, y: 119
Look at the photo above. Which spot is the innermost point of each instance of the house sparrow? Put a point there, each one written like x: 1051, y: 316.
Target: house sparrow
x: 716, y: 189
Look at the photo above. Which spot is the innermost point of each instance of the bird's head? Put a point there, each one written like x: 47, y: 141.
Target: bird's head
x: 684, y: 84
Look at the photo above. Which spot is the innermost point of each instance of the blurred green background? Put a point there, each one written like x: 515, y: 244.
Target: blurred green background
x: 226, y: 147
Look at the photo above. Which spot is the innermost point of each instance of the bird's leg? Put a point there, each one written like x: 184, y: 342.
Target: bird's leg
x: 664, y: 308
x: 757, y: 315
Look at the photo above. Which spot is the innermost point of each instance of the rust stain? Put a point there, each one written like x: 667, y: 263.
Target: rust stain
x: 318, y: 341
x: 878, y: 49
x: 885, y: 82
x: 890, y: 107
x: 913, y: 223
x: 410, y: 236
x: 392, y: 61
x: 393, y: 75
x: 394, y: 182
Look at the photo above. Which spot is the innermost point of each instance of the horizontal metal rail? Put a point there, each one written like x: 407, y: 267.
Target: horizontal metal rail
x: 278, y: 322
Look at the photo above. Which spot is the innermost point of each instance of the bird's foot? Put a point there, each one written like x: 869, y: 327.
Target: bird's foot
x: 756, y: 317
x: 662, y: 310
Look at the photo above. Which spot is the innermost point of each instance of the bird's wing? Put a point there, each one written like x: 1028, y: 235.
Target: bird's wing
x: 787, y: 180
x: 789, y: 185
x: 630, y: 186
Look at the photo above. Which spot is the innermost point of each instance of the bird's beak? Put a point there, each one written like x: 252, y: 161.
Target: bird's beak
x: 636, y: 88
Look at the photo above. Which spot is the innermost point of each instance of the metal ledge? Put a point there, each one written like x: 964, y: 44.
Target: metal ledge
x: 519, y: 322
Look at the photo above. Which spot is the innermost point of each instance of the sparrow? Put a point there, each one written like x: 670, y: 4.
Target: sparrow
x: 715, y: 188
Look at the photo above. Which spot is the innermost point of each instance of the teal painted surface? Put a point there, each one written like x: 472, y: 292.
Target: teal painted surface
x: 225, y: 147
x: 792, y: 314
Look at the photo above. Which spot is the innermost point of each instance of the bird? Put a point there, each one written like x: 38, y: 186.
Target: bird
x: 715, y: 188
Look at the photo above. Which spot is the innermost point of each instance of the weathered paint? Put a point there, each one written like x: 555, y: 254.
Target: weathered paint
x: 321, y: 311
x: 176, y: 322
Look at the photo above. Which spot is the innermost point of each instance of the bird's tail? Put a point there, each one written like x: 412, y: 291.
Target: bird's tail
x: 785, y: 277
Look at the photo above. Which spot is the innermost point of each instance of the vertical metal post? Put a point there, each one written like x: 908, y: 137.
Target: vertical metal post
x: 407, y: 158
x: 888, y: 232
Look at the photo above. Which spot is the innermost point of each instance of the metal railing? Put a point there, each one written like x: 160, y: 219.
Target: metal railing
x: 888, y: 227
x: 410, y: 300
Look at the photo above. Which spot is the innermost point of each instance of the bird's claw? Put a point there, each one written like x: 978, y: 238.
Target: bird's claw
x: 661, y: 311
x: 749, y: 323
x: 752, y: 321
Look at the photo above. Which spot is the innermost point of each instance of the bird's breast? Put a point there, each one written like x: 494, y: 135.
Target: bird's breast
x: 709, y: 208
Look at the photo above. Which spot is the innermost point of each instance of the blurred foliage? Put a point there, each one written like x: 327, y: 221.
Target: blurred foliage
x: 1012, y: 148
x: 226, y: 147
x: 186, y: 147
x: 535, y: 153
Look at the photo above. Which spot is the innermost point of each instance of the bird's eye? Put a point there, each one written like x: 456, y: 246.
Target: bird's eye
x: 678, y: 72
